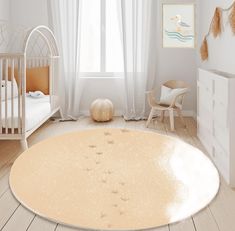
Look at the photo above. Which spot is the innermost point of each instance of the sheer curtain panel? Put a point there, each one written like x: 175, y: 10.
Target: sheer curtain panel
x: 138, y: 30
x: 65, y: 19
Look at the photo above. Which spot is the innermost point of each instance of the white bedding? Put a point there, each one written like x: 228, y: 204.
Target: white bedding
x: 37, y: 109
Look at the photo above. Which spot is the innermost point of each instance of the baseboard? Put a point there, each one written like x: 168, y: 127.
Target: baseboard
x: 116, y: 113
x: 185, y: 113
x: 194, y: 116
x: 188, y: 113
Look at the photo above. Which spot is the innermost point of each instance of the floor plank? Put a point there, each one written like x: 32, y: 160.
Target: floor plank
x: 20, y: 220
x: 8, y: 206
x: 205, y: 221
x: 223, y: 212
x: 9, y: 150
x: 186, y: 225
x: 5, y: 169
x: 40, y: 224
x: 4, y: 183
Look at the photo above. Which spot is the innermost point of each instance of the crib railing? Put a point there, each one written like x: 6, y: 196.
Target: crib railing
x: 12, y: 95
x: 13, y: 107
x: 37, y: 62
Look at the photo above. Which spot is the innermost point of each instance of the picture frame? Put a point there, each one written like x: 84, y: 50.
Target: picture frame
x: 178, y: 25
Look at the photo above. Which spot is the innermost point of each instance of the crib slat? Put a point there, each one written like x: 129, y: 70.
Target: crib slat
x: 33, y: 62
x: 12, y: 96
x: 38, y: 63
x: 50, y: 82
x: 41, y: 62
x: 1, y: 96
x: 6, y: 101
x: 19, y: 96
x: 23, y: 79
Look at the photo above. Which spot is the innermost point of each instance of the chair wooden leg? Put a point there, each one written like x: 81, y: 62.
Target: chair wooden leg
x: 162, y: 116
x: 181, y: 117
x: 171, y: 112
x: 150, y: 117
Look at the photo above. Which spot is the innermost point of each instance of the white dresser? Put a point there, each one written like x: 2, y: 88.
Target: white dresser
x: 216, y: 119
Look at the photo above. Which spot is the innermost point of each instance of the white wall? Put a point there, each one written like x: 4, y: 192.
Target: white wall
x: 172, y: 63
x: 29, y: 12
x: 221, y: 49
x: 177, y: 63
x: 103, y: 88
x: 4, y: 9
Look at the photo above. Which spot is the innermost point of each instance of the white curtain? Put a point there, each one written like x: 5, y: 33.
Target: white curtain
x: 65, y: 20
x: 139, y: 48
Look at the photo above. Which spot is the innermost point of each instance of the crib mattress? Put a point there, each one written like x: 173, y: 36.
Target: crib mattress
x: 37, y: 109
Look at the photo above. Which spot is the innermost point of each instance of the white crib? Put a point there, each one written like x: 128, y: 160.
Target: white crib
x: 28, y: 56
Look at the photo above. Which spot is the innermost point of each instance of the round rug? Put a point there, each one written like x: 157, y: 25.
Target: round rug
x: 114, y: 179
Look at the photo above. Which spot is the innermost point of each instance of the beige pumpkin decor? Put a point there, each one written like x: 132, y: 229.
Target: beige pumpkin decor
x: 102, y: 110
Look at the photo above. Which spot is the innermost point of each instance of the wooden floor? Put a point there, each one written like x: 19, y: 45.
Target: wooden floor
x: 218, y: 216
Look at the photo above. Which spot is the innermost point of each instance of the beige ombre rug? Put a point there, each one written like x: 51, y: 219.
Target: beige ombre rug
x: 114, y: 179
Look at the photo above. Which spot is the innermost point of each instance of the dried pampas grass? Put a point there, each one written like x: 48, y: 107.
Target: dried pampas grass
x: 232, y: 19
x: 204, y: 50
x: 216, y: 26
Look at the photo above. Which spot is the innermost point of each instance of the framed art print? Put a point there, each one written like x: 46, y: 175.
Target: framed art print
x: 178, y: 25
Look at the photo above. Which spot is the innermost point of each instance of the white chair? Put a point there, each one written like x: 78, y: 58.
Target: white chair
x: 176, y: 104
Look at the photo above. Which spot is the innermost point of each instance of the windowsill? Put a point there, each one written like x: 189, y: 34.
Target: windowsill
x: 100, y: 77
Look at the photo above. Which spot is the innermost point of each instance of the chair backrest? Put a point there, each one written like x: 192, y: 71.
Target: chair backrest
x: 173, y: 84
x: 176, y: 84
x: 151, y: 98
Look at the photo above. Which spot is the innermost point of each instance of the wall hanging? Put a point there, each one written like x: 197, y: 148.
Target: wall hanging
x: 178, y: 25
x: 216, y: 28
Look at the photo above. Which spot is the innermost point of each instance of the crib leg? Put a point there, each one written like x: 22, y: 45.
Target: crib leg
x: 24, y: 144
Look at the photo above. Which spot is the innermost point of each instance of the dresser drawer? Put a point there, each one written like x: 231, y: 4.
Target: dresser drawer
x: 203, y: 94
x: 221, y: 91
x: 205, y: 137
x: 220, y: 114
x: 205, y: 117
x: 221, y: 160
x: 221, y: 136
x: 205, y: 79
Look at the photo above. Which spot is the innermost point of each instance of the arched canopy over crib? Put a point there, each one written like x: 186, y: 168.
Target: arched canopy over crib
x: 29, y: 62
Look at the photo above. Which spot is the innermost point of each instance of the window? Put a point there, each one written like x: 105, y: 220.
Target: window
x: 101, y: 46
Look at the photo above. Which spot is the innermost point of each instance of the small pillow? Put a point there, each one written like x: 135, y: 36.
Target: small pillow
x: 36, y: 94
x: 3, y: 89
x: 169, y: 94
